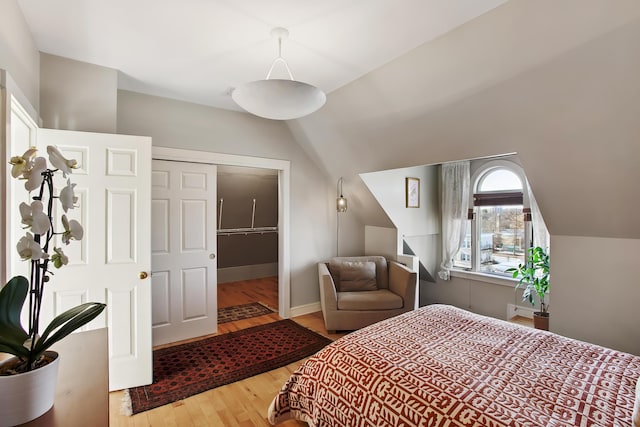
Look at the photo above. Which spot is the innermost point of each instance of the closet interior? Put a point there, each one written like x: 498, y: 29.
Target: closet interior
x: 247, y: 235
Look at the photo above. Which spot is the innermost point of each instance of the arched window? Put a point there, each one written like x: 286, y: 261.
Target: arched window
x: 499, y: 231
x: 499, y: 179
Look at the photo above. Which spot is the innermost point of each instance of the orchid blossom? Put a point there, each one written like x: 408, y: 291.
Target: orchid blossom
x: 34, y: 175
x: 34, y: 217
x: 72, y: 230
x: 68, y: 197
x: 29, y: 249
x: 59, y: 258
x: 22, y: 163
x: 59, y: 162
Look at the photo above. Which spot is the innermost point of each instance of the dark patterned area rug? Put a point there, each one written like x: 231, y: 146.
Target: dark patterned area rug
x: 187, y: 369
x: 244, y: 311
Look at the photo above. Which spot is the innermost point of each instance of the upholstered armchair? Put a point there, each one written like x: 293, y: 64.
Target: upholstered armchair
x: 358, y: 291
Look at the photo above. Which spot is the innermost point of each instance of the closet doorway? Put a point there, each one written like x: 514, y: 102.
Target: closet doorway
x: 281, y: 170
x: 247, y: 237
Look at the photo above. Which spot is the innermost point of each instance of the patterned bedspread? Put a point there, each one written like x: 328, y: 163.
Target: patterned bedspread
x: 443, y: 366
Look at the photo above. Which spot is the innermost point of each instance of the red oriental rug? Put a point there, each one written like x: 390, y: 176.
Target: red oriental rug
x: 244, y: 311
x: 187, y: 369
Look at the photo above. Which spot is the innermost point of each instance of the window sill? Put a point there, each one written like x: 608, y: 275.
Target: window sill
x: 483, y: 277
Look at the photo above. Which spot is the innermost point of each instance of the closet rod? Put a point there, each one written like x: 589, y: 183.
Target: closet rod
x: 252, y: 230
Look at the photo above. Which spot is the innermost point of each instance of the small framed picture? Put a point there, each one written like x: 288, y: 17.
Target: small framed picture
x: 413, y: 192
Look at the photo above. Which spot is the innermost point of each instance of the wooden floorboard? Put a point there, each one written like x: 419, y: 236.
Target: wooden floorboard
x: 243, y: 403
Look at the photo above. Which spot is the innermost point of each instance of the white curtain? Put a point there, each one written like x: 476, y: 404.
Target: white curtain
x: 540, y: 232
x: 455, y: 203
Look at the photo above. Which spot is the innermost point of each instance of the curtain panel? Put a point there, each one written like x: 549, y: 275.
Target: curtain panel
x: 455, y: 202
x: 540, y: 232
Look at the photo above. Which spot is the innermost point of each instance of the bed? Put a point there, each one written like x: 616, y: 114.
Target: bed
x: 444, y: 366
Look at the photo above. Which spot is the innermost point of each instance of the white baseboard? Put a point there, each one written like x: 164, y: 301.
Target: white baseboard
x: 305, y: 309
x: 518, y: 310
x: 247, y: 272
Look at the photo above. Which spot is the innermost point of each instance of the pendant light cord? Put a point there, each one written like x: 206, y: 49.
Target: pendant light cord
x: 279, y: 59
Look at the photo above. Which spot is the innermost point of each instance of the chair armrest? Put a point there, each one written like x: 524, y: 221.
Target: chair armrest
x: 328, y: 292
x: 403, y: 282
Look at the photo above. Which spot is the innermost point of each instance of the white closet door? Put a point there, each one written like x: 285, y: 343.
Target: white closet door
x: 184, y: 279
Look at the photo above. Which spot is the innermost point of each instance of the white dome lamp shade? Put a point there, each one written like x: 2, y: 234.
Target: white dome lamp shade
x: 279, y: 99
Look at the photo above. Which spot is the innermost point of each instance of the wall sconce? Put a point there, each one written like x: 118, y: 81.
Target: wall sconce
x: 341, y: 201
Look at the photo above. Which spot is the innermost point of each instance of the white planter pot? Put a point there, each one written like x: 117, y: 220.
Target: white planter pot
x: 24, y: 397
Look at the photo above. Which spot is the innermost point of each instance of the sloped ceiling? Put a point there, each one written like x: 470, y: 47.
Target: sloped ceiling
x: 556, y: 82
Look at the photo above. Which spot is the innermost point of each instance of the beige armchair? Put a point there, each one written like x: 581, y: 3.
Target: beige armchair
x: 358, y: 291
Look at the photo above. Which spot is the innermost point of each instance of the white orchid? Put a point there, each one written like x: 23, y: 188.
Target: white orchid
x: 68, y: 197
x: 34, y: 217
x: 38, y: 217
x: 29, y: 249
x: 59, y: 162
x: 72, y: 230
x: 22, y: 163
x: 59, y: 258
x: 34, y: 175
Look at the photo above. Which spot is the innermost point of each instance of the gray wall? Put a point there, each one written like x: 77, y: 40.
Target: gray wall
x: 77, y: 96
x: 238, y: 186
x: 419, y: 227
x: 18, y: 53
x: 189, y: 126
x: 555, y: 82
x: 596, y: 290
x: 388, y: 187
x: 19, y: 76
x: 478, y: 296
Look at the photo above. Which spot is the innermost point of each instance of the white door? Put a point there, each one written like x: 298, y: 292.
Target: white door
x: 24, y: 134
x: 183, y: 247
x: 109, y: 264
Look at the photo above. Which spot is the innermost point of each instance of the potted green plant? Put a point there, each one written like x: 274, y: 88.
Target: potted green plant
x: 27, y: 380
x: 534, y: 278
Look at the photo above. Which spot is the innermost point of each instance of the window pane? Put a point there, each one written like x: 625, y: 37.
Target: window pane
x: 499, y: 180
x: 463, y: 257
x: 501, y: 230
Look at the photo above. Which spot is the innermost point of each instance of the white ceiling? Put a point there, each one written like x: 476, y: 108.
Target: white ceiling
x: 198, y: 50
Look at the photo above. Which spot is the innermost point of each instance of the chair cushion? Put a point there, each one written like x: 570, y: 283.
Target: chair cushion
x: 382, y: 274
x: 382, y: 299
x: 357, y: 276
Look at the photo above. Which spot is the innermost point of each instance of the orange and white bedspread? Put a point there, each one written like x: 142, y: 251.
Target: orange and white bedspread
x: 443, y: 366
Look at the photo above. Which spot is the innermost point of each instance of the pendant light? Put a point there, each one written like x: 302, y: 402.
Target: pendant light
x: 279, y: 99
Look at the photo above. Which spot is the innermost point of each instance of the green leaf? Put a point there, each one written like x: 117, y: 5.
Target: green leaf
x: 19, y: 350
x: 535, y: 274
x: 12, y: 298
x: 66, y: 323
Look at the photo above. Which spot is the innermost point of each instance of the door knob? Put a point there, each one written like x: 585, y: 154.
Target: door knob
x: 212, y: 256
x: 143, y: 275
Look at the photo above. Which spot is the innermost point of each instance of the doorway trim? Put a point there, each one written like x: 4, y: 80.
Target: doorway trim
x: 283, y: 168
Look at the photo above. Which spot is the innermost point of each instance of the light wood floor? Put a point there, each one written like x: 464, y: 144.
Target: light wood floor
x: 243, y: 403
